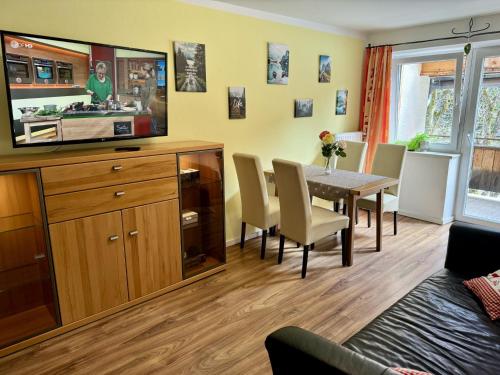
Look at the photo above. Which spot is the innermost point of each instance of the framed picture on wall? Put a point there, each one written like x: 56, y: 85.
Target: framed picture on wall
x: 278, y: 58
x: 341, y: 103
x: 325, y: 68
x: 190, y: 69
x: 303, y: 108
x: 237, y: 103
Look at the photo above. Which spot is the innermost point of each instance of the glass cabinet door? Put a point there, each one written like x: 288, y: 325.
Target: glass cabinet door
x: 27, y: 299
x: 202, y: 207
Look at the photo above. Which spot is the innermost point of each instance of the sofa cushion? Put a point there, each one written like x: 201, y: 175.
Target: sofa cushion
x: 439, y: 327
x: 487, y: 289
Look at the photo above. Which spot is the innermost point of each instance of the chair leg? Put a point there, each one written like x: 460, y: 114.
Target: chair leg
x: 343, y: 240
x: 312, y: 246
x: 243, y: 229
x: 298, y: 244
x: 357, y: 215
x: 304, y: 260
x: 281, y: 249
x: 336, y: 206
x: 395, y: 222
x: 344, y: 209
x: 272, y: 231
x: 369, y: 213
x: 263, y: 245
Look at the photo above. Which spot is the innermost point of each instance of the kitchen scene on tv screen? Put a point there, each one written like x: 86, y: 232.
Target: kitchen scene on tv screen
x: 65, y: 91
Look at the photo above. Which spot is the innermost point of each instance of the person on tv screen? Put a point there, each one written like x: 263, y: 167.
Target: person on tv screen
x: 148, y: 95
x: 99, y: 85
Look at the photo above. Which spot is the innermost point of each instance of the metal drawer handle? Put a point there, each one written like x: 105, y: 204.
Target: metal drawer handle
x: 119, y: 193
x: 113, y: 238
x: 133, y: 233
x: 116, y: 167
x: 39, y: 256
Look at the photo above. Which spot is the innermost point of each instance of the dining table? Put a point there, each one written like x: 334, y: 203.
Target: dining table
x: 336, y: 185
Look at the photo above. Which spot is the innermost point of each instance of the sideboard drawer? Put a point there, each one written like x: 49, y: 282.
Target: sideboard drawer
x: 78, y: 204
x: 76, y: 177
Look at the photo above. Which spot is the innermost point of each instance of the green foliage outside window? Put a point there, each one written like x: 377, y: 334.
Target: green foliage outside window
x: 439, y: 116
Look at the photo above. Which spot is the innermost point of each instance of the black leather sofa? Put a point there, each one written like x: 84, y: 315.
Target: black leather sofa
x: 439, y: 327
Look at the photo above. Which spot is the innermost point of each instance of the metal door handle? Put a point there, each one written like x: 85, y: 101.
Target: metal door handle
x: 116, y: 167
x: 119, y: 193
x: 133, y: 233
x: 469, y: 138
x: 113, y: 238
x: 39, y: 256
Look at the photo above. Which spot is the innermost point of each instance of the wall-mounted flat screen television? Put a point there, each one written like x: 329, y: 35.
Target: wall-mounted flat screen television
x: 66, y: 91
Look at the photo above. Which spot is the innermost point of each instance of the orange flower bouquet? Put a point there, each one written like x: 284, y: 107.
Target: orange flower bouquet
x: 329, y: 147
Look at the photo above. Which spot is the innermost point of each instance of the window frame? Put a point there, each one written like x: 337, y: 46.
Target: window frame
x: 397, y: 63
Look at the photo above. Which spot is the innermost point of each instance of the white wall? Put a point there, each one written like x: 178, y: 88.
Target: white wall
x: 436, y: 30
x: 414, y: 91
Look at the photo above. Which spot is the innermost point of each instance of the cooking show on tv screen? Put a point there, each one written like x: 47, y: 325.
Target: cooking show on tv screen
x: 64, y: 91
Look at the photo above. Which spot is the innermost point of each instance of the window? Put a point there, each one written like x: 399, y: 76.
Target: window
x: 425, y: 99
x: 487, y: 130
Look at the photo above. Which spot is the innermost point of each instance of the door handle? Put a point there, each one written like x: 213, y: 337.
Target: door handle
x: 113, y: 238
x: 469, y: 138
x: 119, y: 193
x: 133, y: 233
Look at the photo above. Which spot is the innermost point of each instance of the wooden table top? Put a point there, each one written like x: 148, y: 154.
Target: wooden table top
x: 340, y: 183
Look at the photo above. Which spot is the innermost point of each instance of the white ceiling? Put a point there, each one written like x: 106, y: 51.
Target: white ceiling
x: 372, y: 15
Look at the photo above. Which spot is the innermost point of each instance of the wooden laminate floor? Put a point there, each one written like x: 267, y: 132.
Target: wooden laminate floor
x: 218, y: 325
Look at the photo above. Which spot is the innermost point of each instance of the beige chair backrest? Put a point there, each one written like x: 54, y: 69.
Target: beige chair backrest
x: 293, y: 194
x: 253, y: 188
x: 389, y: 161
x: 355, y: 159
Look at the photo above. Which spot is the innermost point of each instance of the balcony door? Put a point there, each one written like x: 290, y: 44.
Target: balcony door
x: 479, y: 181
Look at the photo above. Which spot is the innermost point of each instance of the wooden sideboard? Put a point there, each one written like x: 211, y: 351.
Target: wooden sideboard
x: 85, y: 234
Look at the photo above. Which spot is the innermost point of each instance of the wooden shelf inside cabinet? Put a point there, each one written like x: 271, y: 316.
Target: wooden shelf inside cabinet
x: 208, y: 264
x: 202, y: 192
x: 27, y: 297
x: 34, y: 321
x: 19, y: 221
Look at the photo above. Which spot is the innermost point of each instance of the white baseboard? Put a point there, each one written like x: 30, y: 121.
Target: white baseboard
x: 423, y: 217
x: 250, y: 236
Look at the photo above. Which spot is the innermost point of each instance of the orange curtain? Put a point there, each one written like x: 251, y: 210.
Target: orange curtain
x: 375, y: 99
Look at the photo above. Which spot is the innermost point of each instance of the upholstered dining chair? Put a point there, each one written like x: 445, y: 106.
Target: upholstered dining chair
x: 257, y: 207
x: 388, y: 162
x: 300, y: 221
x: 355, y: 159
x: 354, y: 162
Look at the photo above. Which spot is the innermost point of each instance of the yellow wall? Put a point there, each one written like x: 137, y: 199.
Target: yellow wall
x: 236, y: 52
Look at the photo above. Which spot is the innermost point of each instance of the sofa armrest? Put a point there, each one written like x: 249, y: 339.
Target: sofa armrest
x: 473, y: 250
x: 293, y: 350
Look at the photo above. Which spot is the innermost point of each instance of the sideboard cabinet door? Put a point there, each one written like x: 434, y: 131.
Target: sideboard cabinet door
x: 152, y: 247
x: 89, y: 265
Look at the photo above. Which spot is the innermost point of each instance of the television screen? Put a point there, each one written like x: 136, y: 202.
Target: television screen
x: 65, y: 91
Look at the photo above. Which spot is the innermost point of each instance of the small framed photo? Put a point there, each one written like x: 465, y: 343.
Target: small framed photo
x: 325, y: 69
x: 341, y: 104
x: 303, y: 108
x: 190, y: 69
x: 237, y: 103
x: 278, y: 59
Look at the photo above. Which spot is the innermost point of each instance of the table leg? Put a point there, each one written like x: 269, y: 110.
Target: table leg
x: 27, y: 132
x: 59, y: 130
x: 351, y: 209
x: 380, y: 215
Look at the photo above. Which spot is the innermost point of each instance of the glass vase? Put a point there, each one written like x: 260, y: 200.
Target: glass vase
x: 328, y: 168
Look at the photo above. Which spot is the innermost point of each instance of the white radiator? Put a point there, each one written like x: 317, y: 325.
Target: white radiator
x: 349, y: 136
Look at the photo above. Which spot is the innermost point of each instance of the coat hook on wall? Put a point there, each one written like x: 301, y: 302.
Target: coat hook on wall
x: 470, y: 33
